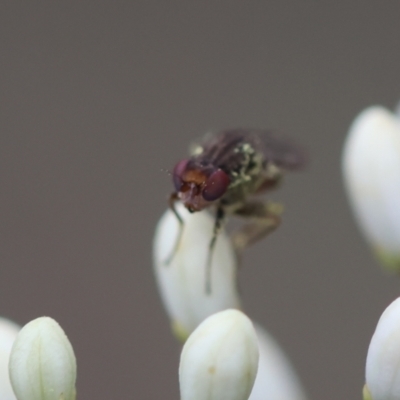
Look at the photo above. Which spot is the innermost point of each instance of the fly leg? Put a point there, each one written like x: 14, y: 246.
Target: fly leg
x: 219, y: 218
x: 173, y: 198
x: 264, y: 219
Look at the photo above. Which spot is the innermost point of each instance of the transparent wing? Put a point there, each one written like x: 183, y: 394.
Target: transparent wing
x: 275, y: 148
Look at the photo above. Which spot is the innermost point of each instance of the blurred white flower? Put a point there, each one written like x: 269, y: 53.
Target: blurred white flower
x: 42, y: 362
x: 8, y: 332
x: 219, y: 360
x: 383, y: 359
x: 371, y: 169
x: 182, y: 283
x: 276, y: 379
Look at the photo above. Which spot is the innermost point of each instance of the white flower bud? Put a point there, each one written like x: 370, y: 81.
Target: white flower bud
x: 276, y: 378
x: 42, y: 362
x: 219, y: 360
x: 383, y: 359
x: 182, y: 282
x: 8, y: 332
x: 371, y: 168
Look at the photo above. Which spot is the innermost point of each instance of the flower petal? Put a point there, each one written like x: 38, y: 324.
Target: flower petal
x: 182, y: 283
x: 276, y: 378
x: 371, y: 169
x: 42, y: 362
x: 220, y: 358
x: 8, y: 333
x: 383, y: 359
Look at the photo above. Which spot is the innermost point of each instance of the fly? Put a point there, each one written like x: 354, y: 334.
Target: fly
x: 224, y: 172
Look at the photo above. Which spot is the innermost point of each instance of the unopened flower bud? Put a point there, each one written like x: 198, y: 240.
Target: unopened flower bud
x: 383, y: 359
x: 42, y: 362
x: 276, y: 378
x: 182, y: 281
x: 371, y: 169
x: 220, y: 358
x: 8, y: 332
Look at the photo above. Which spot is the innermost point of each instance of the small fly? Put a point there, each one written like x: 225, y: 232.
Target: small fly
x: 224, y: 172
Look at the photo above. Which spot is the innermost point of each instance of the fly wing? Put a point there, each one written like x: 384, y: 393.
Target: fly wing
x: 221, y: 149
x: 275, y: 148
x: 281, y: 151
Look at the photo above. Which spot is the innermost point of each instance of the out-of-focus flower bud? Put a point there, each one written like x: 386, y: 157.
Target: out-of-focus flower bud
x: 276, y: 378
x: 42, y: 362
x: 383, y: 359
x: 371, y: 168
x: 8, y: 332
x: 182, y: 282
x: 220, y: 358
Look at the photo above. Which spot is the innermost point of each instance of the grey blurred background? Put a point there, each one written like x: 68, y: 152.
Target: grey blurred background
x: 99, y: 99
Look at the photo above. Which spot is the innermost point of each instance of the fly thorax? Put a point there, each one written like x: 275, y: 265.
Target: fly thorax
x: 250, y: 167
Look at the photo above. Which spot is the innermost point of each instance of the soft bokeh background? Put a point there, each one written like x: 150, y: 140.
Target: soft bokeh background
x: 99, y: 99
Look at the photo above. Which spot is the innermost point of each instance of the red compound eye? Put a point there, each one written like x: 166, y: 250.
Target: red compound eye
x: 216, y: 185
x: 179, y: 169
